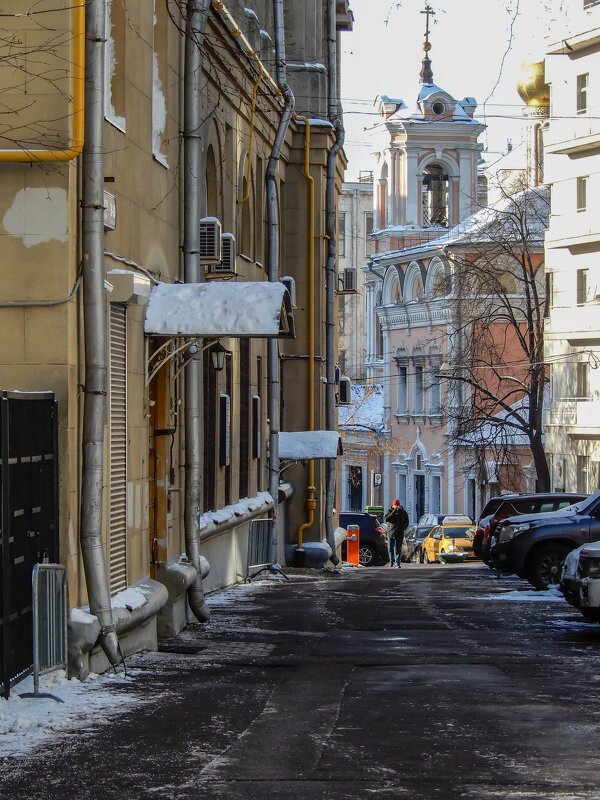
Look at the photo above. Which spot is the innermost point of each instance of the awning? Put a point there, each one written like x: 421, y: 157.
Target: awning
x: 219, y: 310
x: 306, y: 445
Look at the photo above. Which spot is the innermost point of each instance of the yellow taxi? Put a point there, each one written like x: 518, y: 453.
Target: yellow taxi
x: 450, y: 542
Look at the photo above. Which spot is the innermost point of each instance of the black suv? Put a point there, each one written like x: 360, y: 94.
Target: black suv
x: 534, y: 546
x: 372, y: 541
x: 507, y: 505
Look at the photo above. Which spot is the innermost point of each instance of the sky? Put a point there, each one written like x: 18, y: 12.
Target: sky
x: 477, y: 47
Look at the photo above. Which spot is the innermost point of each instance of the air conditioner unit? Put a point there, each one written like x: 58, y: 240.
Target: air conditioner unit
x: 290, y: 285
x: 227, y: 264
x: 350, y: 279
x: 210, y: 240
x: 345, y: 391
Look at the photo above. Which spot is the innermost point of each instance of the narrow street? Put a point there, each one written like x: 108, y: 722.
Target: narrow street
x: 425, y: 682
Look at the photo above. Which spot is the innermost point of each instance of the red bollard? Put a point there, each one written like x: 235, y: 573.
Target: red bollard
x: 352, y: 544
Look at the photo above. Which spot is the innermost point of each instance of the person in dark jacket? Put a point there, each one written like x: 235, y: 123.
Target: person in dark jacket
x: 398, y: 520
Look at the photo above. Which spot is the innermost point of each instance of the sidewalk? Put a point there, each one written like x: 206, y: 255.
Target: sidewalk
x: 420, y: 683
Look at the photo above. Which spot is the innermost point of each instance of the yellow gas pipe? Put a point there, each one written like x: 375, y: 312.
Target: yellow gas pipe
x: 77, y: 83
x: 311, y: 503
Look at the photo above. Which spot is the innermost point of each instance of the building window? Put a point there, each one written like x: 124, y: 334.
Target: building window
x: 582, y: 282
x: 369, y: 246
x: 582, y: 474
x: 435, y: 497
x: 549, y: 303
x: 583, y: 380
x: 582, y: 90
x: 341, y: 235
x: 434, y: 197
x: 582, y: 183
x: 435, y: 389
x: 402, y: 390
x: 419, y: 398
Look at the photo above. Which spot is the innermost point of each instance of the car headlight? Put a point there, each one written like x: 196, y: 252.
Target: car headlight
x: 507, y: 532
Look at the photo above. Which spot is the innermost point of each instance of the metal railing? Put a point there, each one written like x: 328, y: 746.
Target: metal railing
x: 259, y: 545
x: 49, y: 588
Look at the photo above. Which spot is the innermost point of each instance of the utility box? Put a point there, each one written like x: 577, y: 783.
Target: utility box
x: 352, y: 544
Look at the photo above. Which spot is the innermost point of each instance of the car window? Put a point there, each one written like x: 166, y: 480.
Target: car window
x: 459, y: 532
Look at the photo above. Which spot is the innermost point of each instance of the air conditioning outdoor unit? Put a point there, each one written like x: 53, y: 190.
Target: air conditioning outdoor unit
x: 210, y: 240
x: 345, y: 391
x: 350, y: 279
x: 227, y: 264
x: 290, y: 285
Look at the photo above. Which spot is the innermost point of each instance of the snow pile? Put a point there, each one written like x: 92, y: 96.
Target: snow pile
x: 239, y: 509
x: 26, y: 722
x: 365, y: 411
x: 530, y: 596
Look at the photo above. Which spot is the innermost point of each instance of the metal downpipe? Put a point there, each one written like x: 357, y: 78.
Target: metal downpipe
x: 94, y: 305
x: 273, y: 260
x: 311, y: 502
x: 197, y: 14
x: 330, y: 271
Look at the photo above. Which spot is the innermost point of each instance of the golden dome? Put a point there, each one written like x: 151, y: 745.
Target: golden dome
x: 532, y: 88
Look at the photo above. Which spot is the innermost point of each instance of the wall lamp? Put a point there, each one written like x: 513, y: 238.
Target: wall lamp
x: 218, y: 357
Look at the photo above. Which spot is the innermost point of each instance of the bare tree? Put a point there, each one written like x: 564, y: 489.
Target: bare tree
x: 496, y: 370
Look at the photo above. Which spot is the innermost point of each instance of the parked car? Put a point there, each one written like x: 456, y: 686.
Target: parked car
x: 452, y: 539
x: 511, y: 505
x: 580, y: 580
x: 372, y: 541
x: 534, y: 546
x: 413, y: 536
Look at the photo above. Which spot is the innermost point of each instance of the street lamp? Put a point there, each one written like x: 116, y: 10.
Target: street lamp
x: 218, y: 357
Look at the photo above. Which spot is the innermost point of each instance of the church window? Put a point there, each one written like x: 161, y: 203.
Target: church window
x: 434, y: 198
x: 396, y: 296
x: 438, y: 108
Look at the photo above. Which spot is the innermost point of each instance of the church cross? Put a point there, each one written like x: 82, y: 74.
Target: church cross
x: 428, y: 11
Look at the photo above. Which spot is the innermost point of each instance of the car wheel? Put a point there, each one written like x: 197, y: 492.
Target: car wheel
x: 425, y: 559
x: 366, y: 555
x: 545, y: 566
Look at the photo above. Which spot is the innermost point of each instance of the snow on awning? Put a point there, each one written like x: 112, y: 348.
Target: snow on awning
x: 301, y: 445
x: 217, y: 309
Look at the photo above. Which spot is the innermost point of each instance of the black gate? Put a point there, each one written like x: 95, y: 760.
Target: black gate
x: 29, y: 513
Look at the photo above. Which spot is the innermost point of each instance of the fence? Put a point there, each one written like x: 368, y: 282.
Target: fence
x: 259, y: 545
x: 49, y: 587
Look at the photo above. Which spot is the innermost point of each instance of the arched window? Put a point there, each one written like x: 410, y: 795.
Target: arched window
x: 212, y: 189
x: 434, y: 197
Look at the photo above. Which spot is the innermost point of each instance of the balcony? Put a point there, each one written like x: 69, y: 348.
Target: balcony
x: 579, y: 325
x: 573, y: 229
x: 577, y: 418
x: 572, y: 135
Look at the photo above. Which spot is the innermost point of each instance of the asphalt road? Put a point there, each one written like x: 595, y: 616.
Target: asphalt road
x: 422, y: 683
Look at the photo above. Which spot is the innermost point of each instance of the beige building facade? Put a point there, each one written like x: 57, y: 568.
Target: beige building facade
x: 65, y: 300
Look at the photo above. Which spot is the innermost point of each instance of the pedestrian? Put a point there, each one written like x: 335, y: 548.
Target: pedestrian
x: 398, y: 519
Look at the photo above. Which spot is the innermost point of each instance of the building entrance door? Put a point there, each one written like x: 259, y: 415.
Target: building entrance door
x: 29, y: 503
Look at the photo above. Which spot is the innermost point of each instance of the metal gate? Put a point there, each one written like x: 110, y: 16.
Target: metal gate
x: 29, y: 512
x: 259, y: 545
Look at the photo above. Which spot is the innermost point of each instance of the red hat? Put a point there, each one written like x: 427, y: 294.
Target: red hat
x: 395, y: 502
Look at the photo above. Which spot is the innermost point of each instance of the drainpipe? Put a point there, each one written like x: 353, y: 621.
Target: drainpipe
x: 273, y: 259
x: 330, y: 272
x: 197, y: 14
x: 311, y: 503
x: 94, y: 408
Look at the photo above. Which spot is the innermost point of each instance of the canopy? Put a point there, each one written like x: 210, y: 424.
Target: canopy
x: 306, y: 445
x: 217, y: 309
